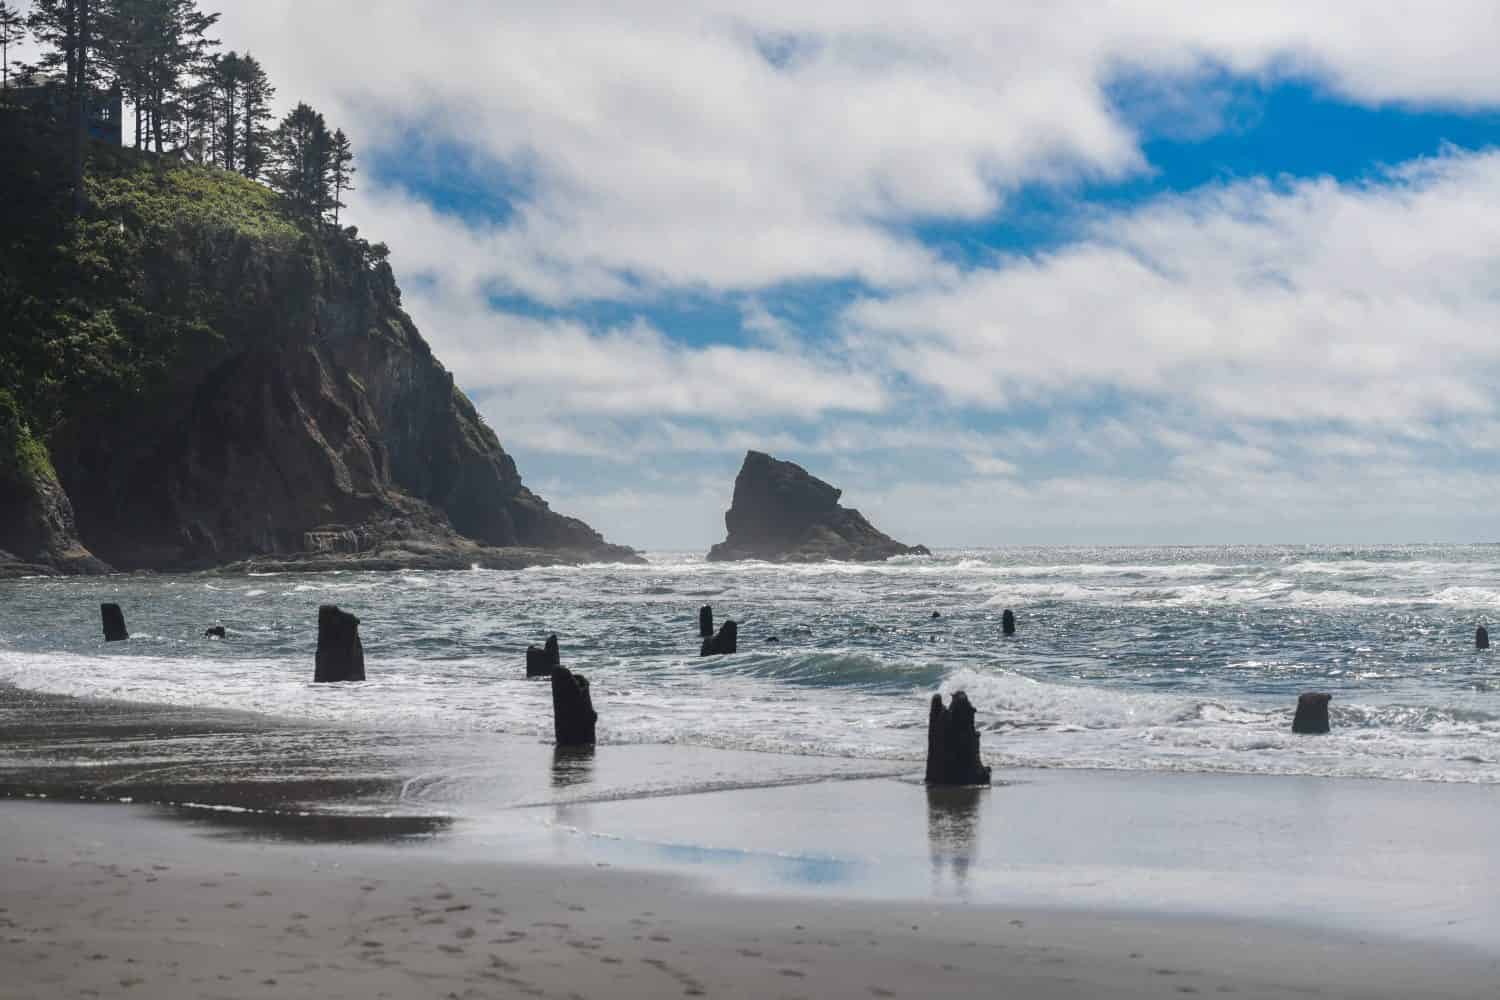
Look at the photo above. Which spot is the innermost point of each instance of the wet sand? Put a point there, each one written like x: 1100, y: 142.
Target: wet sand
x: 107, y: 901
x: 221, y: 854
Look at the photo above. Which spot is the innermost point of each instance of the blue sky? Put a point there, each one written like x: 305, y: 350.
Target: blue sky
x: 1139, y: 272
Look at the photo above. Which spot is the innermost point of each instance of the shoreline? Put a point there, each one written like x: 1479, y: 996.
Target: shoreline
x: 110, y: 902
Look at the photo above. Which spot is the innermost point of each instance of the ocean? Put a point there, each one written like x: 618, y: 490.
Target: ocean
x: 1142, y: 659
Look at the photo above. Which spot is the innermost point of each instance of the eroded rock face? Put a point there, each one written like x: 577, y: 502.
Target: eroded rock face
x: 315, y: 428
x: 782, y: 513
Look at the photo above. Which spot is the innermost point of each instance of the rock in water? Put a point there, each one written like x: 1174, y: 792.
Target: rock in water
x: 705, y: 622
x: 541, y: 662
x: 1008, y: 622
x: 573, y: 714
x: 1481, y: 638
x: 114, y: 622
x: 727, y: 641
x: 781, y: 513
x: 937, y: 614
x: 953, y: 744
x: 1312, y: 713
x: 340, y: 657
x: 214, y: 632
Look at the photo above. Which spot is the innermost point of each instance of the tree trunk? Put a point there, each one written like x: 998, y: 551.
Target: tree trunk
x: 80, y: 103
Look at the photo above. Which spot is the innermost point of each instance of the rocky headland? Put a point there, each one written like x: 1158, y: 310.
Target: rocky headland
x: 782, y: 513
x: 191, y: 379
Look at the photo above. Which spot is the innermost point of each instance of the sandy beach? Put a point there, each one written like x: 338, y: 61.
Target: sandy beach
x: 210, y: 854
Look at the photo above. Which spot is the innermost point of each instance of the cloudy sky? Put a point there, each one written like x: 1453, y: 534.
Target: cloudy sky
x: 1112, y: 271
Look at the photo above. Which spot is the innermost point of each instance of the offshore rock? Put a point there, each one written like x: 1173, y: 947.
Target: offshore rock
x: 727, y: 641
x: 573, y: 714
x: 541, y: 662
x: 782, y: 513
x: 705, y: 622
x: 953, y: 744
x: 114, y: 623
x: 341, y: 656
x: 1312, y: 713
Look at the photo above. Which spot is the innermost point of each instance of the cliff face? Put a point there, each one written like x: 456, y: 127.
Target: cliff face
x: 781, y: 513
x: 283, y: 408
x: 37, y: 530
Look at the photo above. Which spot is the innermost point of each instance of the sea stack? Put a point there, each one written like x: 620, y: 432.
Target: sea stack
x: 1312, y: 713
x: 1008, y: 622
x: 341, y: 656
x: 727, y: 641
x: 541, y: 662
x: 953, y: 744
x: 781, y: 513
x: 705, y: 621
x: 114, y: 622
x: 1481, y: 638
x: 573, y: 714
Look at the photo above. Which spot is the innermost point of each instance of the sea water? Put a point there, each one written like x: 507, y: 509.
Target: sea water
x: 1158, y: 659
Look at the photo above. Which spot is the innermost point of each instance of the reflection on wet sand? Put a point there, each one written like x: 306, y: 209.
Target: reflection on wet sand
x: 952, y: 834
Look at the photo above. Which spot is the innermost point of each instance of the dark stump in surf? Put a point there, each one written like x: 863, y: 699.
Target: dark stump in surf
x: 1312, y: 713
x: 1008, y: 622
x: 340, y: 656
x: 214, y: 632
x: 953, y: 744
x: 937, y: 614
x: 726, y: 641
x: 114, y: 622
x: 573, y: 714
x: 705, y: 622
x: 1481, y: 638
x: 540, y: 662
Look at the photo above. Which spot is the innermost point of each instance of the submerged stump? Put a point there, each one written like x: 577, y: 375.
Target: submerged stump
x: 573, y: 714
x: 114, y: 622
x: 705, y: 621
x: 953, y: 744
x: 1481, y: 638
x: 541, y: 662
x: 1312, y: 713
x: 726, y: 641
x: 341, y: 656
x: 1008, y: 622
x: 214, y: 632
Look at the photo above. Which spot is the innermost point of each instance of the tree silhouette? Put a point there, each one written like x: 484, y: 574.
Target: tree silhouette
x: 12, y: 30
x: 303, y: 151
x: 255, y: 112
x: 343, y: 170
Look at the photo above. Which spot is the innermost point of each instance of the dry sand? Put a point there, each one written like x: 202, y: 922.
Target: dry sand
x: 110, y: 901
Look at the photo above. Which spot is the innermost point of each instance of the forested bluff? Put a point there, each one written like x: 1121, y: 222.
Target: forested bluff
x: 199, y: 369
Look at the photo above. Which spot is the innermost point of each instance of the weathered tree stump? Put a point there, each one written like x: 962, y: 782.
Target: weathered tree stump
x: 540, y: 662
x: 214, y: 632
x: 937, y: 614
x: 1008, y: 622
x: 114, y: 622
x: 705, y: 622
x: 1481, y: 638
x: 573, y: 714
x: 1312, y: 713
x: 953, y: 744
x: 726, y: 641
x: 341, y: 656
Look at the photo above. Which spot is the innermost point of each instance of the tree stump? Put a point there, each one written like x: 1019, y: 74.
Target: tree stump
x: 1312, y: 713
x: 114, y: 622
x: 214, y: 632
x: 341, y: 656
x: 1481, y: 638
x: 1008, y: 622
x: 953, y: 744
x: 541, y: 662
x: 573, y: 714
x: 705, y: 622
x: 727, y: 641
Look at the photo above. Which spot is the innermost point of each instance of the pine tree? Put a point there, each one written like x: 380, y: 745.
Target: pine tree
x: 227, y: 76
x: 67, y: 31
x: 303, y: 152
x: 343, y: 170
x: 12, y: 30
x: 255, y: 112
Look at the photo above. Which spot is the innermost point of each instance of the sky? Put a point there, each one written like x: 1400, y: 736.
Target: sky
x: 1114, y: 272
